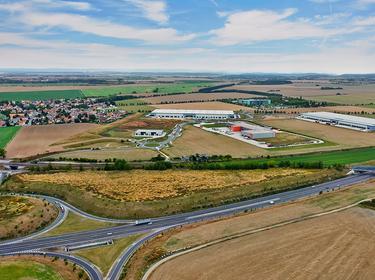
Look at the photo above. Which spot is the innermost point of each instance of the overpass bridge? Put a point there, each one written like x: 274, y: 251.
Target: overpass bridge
x: 364, y: 169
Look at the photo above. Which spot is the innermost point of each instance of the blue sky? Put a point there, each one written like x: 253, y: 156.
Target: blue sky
x: 327, y: 36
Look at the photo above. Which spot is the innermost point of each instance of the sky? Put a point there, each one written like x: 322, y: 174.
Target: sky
x: 231, y: 36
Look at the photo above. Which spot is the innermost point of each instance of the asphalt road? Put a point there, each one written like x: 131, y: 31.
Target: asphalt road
x: 179, y: 219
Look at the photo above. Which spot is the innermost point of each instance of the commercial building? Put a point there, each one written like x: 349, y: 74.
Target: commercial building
x: 252, y: 131
x: 340, y: 120
x: 192, y: 114
x: 256, y: 102
x: 149, y: 133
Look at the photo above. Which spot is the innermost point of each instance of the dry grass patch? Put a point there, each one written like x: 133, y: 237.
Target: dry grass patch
x: 140, y: 185
x: 195, y: 140
x: 129, y: 154
x: 35, y: 140
x: 20, y: 216
x: 346, y: 138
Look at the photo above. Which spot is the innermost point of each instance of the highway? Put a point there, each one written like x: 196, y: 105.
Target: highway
x: 179, y: 219
x: 160, y: 224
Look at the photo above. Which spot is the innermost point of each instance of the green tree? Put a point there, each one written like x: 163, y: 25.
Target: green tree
x: 2, y: 153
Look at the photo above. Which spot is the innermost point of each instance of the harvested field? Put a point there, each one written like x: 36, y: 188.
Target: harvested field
x: 35, y: 140
x: 195, y: 140
x: 129, y: 154
x: 346, y: 138
x: 20, y: 216
x: 37, y: 268
x: 216, y: 105
x: 139, y: 185
x: 196, y: 97
x: 334, y: 109
x: 337, y: 246
x: 350, y: 94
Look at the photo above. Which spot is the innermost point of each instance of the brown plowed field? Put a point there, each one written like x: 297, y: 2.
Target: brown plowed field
x: 337, y: 246
x: 34, y: 140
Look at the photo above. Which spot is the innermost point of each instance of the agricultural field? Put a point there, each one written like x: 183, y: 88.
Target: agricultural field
x: 184, y: 87
x: 329, y: 158
x: 141, y: 193
x: 350, y: 94
x: 214, y: 105
x: 344, y: 138
x: 195, y: 140
x: 40, y: 95
x: 37, y: 140
x: 326, y: 247
x: 7, y: 134
x: 355, y: 110
x: 37, y: 268
x: 244, y: 225
x: 195, y: 97
x: 20, y: 216
x: 134, y: 105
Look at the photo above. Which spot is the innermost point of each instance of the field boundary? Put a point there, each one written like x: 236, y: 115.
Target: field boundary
x: 152, y: 268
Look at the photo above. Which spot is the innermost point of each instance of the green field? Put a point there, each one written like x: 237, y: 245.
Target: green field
x: 134, y: 105
x: 40, y: 95
x: 20, y: 270
x: 7, y: 134
x: 157, y: 89
x: 328, y: 158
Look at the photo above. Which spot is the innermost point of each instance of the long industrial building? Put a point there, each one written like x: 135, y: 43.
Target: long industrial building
x: 340, y: 120
x: 192, y: 114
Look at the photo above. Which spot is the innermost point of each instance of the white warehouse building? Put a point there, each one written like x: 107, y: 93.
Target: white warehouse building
x: 341, y: 120
x: 192, y: 114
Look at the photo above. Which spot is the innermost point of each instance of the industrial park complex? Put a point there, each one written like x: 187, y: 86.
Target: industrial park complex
x: 346, y: 121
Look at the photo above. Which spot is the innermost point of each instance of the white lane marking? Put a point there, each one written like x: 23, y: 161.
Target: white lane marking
x: 231, y: 209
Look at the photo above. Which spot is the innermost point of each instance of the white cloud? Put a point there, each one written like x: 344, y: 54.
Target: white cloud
x: 365, y: 21
x: 152, y: 10
x: 336, y: 60
x: 82, y: 6
x: 263, y: 25
x: 32, y: 17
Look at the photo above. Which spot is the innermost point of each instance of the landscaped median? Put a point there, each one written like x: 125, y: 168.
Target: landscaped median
x: 147, y: 193
x: 39, y: 267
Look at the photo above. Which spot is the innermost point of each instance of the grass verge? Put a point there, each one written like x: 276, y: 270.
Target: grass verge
x: 75, y: 223
x: 105, y: 256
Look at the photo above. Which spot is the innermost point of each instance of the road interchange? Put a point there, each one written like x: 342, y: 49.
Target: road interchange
x: 126, y: 228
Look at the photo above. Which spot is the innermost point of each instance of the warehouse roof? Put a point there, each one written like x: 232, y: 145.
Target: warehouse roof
x: 341, y: 117
x: 181, y: 111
